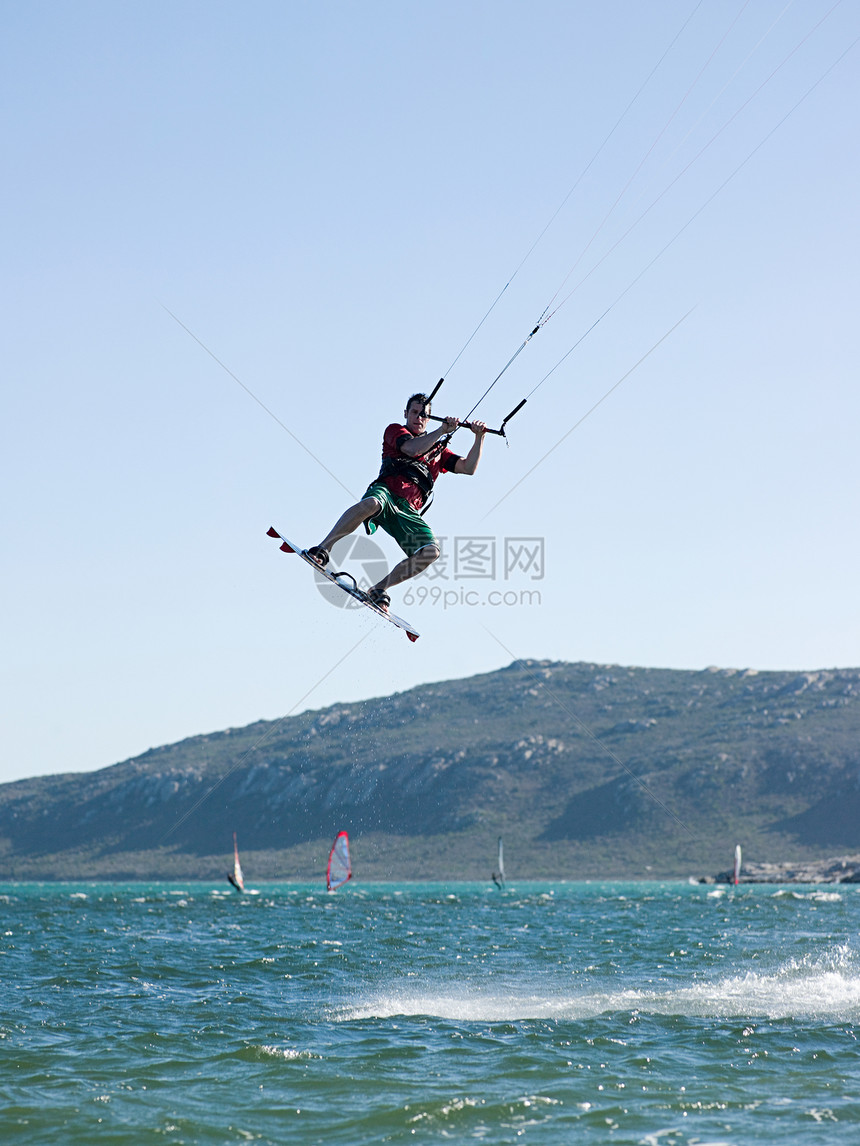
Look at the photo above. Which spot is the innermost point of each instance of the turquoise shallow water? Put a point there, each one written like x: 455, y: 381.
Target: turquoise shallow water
x: 654, y: 1013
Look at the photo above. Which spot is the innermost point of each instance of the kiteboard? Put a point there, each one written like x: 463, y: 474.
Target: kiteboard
x: 346, y: 582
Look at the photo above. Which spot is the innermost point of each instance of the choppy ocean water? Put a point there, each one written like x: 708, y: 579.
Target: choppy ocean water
x: 665, y: 1014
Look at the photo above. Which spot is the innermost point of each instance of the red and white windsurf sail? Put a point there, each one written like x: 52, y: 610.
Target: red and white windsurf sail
x: 736, y: 874
x: 339, y: 868
x: 236, y: 877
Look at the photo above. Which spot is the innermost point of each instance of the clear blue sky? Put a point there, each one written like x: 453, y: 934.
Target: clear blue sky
x: 330, y: 196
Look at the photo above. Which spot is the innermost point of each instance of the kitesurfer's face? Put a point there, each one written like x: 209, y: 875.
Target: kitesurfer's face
x: 416, y: 418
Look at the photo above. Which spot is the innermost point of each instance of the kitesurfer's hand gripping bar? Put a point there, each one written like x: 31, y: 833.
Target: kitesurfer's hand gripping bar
x: 465, y: 425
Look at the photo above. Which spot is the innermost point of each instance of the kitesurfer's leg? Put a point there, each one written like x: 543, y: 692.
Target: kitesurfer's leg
x: 347, y: 523
x: 409, y: 567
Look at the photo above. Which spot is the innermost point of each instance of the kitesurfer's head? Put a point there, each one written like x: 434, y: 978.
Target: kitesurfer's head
x: 417, y: 409
x: 421, y: 399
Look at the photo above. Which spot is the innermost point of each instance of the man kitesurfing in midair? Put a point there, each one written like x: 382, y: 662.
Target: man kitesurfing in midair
x: 412, y: 459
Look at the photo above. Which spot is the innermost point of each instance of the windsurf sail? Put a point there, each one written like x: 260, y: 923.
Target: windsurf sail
x: 339, y: 868
x: 737, y: 872
x: 499, y: 876
x: 235, y: 876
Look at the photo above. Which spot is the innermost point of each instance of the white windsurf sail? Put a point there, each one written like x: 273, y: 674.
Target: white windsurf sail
x: 339, y: 868
x: 499, y: 876
x: 235, y: 876
x: 737, y: 871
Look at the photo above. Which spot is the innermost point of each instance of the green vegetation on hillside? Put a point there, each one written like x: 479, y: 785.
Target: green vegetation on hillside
x: 586, y: 770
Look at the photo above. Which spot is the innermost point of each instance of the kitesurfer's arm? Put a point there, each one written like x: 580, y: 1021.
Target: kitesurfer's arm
x: 417, y: 446
x: 469, y: 463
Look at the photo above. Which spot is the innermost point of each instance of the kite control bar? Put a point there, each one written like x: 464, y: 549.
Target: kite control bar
x: 470, y: 425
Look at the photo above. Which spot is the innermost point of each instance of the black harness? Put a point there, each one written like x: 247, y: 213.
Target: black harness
x: 413, y: 469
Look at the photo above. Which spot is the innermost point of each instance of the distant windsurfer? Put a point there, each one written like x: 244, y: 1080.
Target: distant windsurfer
x: 235, y: 876
x: 412, y: 459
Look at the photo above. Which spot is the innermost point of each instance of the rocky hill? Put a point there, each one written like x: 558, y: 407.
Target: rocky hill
x: 843, y: 869
x: 585, y: 770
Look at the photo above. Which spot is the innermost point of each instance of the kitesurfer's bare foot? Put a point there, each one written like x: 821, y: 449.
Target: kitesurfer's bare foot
x: 379, y: 598
x: 318, y: 556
